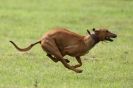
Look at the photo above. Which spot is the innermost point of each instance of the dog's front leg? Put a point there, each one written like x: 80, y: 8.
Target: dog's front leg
x: 79, y: 61
x: 70, y: 67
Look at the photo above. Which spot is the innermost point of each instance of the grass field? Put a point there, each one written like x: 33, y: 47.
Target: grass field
x: 108, y: 65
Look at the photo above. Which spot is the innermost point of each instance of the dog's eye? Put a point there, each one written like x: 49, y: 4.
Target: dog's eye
x: 107, y: 31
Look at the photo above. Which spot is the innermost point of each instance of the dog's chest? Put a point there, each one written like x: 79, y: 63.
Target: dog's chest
x: 77, y: 50
x: 83, y: 51
x: 89, y: 44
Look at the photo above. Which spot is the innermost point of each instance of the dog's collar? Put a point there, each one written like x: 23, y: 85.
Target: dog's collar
x: 95, y: 37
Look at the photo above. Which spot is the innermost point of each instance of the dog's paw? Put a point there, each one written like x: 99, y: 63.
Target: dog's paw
x: 78, y: 71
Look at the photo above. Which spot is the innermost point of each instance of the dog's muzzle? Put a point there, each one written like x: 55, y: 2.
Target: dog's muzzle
x: 109, y: 38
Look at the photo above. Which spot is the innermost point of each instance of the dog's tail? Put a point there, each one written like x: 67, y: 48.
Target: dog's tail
x: 24, y: 49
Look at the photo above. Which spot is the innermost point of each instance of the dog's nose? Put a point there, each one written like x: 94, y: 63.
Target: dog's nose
x: 114, y: 36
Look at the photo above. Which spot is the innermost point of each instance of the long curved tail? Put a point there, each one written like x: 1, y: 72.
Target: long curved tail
x: 24, y: 49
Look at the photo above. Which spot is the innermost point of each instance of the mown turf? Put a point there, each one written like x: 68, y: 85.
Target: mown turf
x: 108, y: 65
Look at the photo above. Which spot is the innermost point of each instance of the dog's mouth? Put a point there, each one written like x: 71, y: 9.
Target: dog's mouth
x: 110, y: 38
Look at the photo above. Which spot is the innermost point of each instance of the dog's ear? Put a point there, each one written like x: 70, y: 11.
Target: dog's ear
x: 88, y: 32
x: 94, y: 29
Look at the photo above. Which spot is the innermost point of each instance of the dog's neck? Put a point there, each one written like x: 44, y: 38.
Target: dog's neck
x: 91, y: 40
x: 95, y: 38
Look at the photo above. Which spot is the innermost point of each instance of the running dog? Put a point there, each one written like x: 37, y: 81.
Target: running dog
x: 60, y: 42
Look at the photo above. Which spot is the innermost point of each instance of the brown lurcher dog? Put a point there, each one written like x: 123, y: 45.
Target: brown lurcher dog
x: 60, y: 42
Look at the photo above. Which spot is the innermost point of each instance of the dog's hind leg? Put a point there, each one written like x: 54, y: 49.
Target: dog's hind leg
x: 55, y: 59
x: 52, y: 58
x: 52, y: 49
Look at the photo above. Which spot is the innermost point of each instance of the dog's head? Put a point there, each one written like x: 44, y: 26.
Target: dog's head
x: 104, y: 34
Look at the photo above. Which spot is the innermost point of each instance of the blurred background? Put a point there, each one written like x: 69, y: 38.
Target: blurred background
x: 108, y: 65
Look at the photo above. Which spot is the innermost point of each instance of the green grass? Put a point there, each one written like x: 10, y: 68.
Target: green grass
x: 108, y: 65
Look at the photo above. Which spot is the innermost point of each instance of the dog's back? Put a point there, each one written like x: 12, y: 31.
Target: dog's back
x: 63, y: 36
